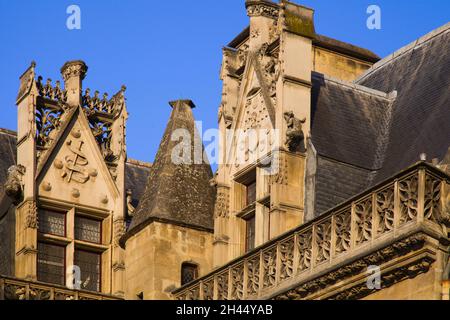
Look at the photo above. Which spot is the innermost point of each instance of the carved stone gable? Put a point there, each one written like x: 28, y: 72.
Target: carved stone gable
x: 74, y: 166
x: 76, y: 169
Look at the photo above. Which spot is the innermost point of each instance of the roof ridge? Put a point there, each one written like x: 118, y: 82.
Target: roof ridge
x: 383, y: 139
x: 139, y: 163
x: 355, y: 86
x: 405, y: 49
x: 8, y: 131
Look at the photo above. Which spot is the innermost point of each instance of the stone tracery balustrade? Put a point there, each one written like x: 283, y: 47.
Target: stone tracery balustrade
x: 409, y: 200
x: 16, y: 289
x: 51, y: 92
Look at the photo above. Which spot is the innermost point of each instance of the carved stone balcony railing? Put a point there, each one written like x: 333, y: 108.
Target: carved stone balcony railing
x: 407, y: 204
x: 17, y: 289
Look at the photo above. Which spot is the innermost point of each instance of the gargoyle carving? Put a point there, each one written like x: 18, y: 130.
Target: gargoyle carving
x: 13, y: 184
x: 295, y: 139
x: 130, y: 206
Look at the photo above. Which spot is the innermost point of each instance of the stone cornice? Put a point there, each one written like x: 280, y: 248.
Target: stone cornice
x: 403, y: 247
x: 409, y: 271
x: 262, y: 8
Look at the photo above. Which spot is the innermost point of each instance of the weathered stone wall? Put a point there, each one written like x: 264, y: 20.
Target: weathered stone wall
x: 427, y: 286
x: 337, y: 65
x: 155, y: 254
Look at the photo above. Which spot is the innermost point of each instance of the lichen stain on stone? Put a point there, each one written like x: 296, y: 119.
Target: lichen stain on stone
x: 298, y: 25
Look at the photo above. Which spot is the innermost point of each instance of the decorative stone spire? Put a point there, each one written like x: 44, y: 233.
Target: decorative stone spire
x: 73, y: 73
x: 178, y: 193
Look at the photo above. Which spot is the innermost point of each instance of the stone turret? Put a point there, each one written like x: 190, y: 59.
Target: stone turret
x: 178, y: 189
x: 173, y: 223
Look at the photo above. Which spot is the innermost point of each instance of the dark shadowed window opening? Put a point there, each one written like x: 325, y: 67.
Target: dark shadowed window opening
x: 251, y: 193
x: 250, y: 228
x: 90, y: 269
x: 189, y: 272
x: 51, y: 263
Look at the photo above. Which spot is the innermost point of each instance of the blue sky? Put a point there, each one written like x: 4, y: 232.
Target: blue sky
x: 165, y: 50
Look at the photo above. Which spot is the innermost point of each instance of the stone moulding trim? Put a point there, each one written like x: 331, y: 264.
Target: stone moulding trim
x: 135, y: 231
x: 409, y: 271
x: 26, y: 250
x: 305, y: 83
x: 262, y: 8
x: 119, y: 266
x: 394, y: 250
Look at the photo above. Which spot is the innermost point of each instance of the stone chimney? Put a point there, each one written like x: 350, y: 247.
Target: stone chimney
x: 73, y: 73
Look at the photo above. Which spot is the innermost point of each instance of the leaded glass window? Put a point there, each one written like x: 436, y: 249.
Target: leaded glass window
x: 90, y: 268
x: 51, y: 263
x: 52, y: 222
x: 88, y: 229
x: 189, y: 272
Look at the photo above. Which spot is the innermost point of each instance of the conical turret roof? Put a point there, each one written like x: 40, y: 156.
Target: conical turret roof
x: 178, y: 193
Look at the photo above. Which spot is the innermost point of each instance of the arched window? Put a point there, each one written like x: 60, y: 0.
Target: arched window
x: 189, y: 272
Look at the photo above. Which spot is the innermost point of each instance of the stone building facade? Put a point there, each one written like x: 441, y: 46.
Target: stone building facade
x: 336, y: 169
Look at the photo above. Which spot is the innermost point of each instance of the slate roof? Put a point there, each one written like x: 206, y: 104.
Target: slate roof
x: 7, y: 155
x: 369, y: 130
x: 348, y: 121
x: 177, y: 193
x: 136, y: 176
x: 420, y: 118
x: 336, y: 182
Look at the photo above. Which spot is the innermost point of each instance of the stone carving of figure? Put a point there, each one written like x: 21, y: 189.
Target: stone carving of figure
x: 13, y: 184
x: 295, y: 139
x: 130, y: 206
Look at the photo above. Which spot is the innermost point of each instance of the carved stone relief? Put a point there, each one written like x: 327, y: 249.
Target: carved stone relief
x: 31, y: 218
x: 119, y: 231
x: 222, y: 205
x: 385, y: 210
x: 74, y: 166
x: 409, y: 189
x: 262, y: 9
